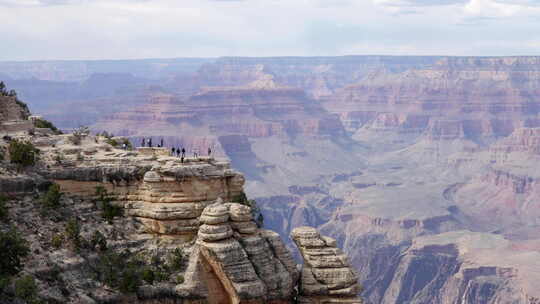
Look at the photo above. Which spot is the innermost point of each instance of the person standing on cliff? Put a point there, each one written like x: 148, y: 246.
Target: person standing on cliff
x: 173, y: 150
x: 143, y: 141
x: 150, y: 142
x: 183, y: 152
x: 161, y: 143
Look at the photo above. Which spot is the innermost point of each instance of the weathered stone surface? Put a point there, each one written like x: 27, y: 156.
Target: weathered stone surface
x: 245, y: 227
x: 326, y: 275
x: 240, y: 213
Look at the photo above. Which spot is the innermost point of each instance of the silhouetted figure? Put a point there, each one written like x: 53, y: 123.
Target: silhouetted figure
x: 195, y: 153
x: 143, y: 141
x: 209, y: 151
x: 173, y: 150
x: 150, y: 142
x: 183, y: 152
x: 178, y: 152
x: 182, y: 159
x: 161, y: 142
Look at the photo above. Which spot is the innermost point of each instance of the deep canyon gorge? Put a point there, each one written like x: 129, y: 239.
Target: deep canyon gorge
x: 424, y: 169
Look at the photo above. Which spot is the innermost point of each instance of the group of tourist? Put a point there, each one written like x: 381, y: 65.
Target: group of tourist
x: 179, y: 152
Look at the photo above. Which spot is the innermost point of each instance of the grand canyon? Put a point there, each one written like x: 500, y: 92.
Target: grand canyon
x: 424, y: 169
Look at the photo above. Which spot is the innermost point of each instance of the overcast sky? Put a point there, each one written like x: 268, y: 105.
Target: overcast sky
x: 127, y: 29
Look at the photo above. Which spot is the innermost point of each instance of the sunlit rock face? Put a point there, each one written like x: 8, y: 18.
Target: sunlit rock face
x: 327, y: 276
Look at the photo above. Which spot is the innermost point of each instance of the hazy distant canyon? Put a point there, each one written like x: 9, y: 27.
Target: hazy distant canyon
x: 425, y: 169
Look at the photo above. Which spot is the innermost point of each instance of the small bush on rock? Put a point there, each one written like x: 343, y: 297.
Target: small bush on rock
x: 175, y: 259
x: 104, y: 199
x: 22, y: 153
x: 51, y: 199
x: 42, y: 123
x: 57, y: 240
x: 73, y: 233
x: 13, y: 248
x: 26, y: 289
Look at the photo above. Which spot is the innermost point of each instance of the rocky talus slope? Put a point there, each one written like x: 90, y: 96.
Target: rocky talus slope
x: 180, y: 239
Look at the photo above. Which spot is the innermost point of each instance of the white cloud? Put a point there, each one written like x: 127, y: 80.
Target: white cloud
x: 96, y: 29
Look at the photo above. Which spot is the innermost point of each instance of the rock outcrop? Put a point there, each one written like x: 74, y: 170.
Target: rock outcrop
x: 250, y: 265
x: 327, y: 276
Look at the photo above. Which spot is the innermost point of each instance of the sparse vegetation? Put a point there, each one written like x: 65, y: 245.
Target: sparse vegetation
x: 26, y: 289
x: 255, y: 210
x: 104, y: 199
x: 57, y: 240
x: 120, y: 270
x: 43, y: 123
x: 112, y: 142
x: 73, y: 233
x: 23, y: 153
x: 51, y: 199
x: 13, y: 249
x: 78, y: 135
x: 175, y: 259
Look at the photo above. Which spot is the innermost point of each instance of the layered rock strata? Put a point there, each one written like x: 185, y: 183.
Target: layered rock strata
x: 327, y: 276
x: 246, y: 264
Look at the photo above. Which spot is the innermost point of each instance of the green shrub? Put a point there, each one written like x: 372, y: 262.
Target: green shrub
x: 175, y: 259
x: 57, y: 240
x: 148, y: 275
x: 26, y: 289
x: 22, y: 153
x: 73, y: 233
x: 109, y: 211
x: 13, y: 249
x: 42, y: 123
x: 51, y: 199
x: 179, y: 279
x: 4, y: 212
x: 112, y: 142
x: 130, y: 281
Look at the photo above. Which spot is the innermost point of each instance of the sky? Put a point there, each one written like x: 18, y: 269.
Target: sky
x: 133, y: 29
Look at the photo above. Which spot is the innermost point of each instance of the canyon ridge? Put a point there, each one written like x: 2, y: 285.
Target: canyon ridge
x: 423, y: 169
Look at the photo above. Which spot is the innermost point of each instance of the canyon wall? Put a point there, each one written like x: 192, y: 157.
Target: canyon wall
x: 400, y: 159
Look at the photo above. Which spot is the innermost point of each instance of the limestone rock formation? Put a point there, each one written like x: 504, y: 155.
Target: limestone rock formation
x: 327, y: 276
x: 248, y: 265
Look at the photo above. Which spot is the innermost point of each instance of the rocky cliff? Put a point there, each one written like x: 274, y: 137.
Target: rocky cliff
x: 378, y: 152
x: 180, y: 227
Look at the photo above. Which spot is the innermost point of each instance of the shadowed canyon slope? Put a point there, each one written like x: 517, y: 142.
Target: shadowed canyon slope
x: 423, y: 168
